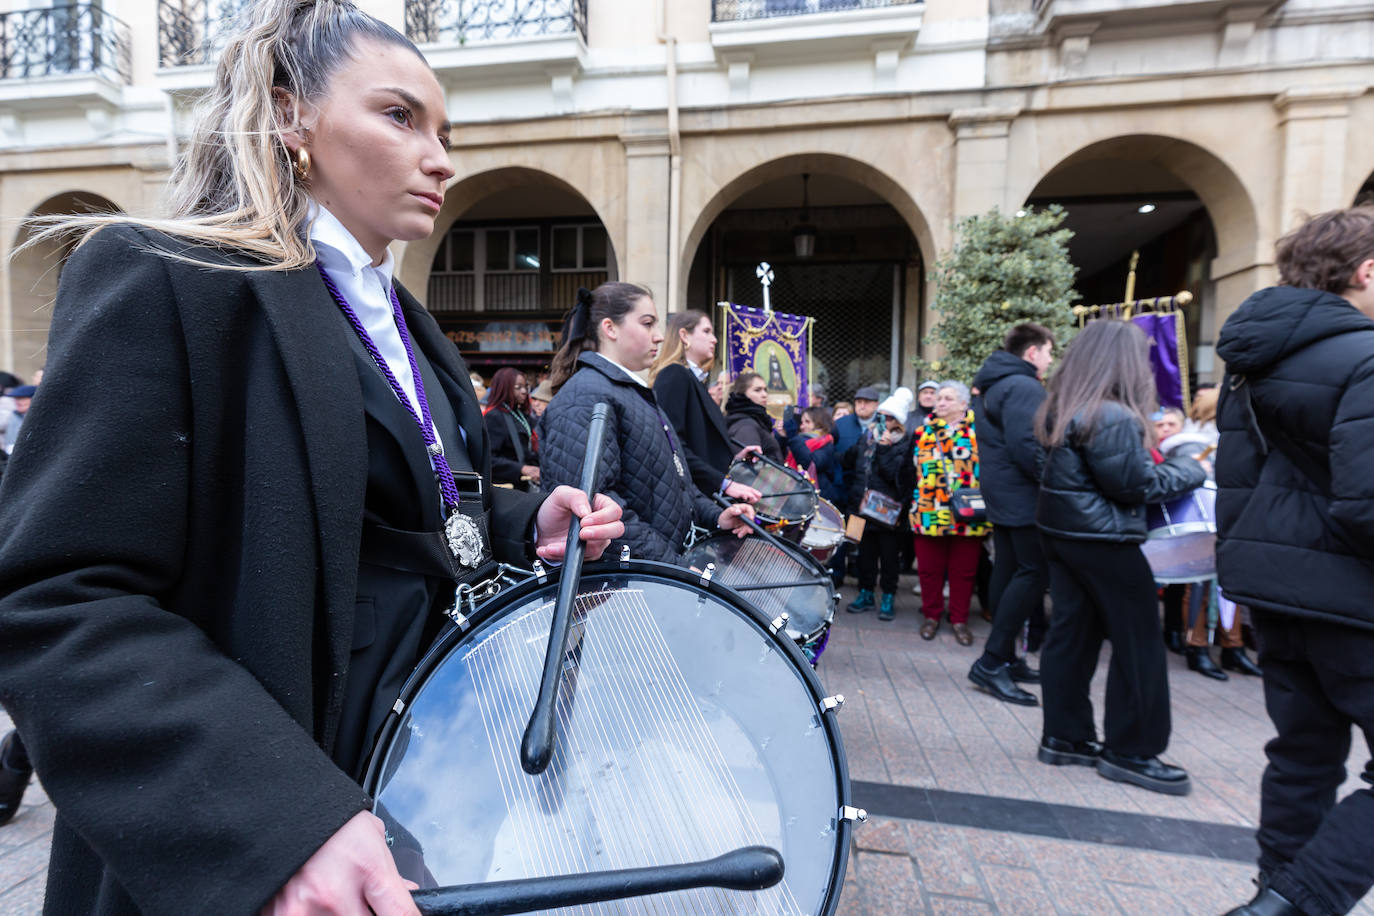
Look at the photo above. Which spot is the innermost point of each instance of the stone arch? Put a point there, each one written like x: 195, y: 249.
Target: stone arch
x: 33, y: 275
x: 1216, y: 183
x: 463, y: 194
x: 816, y: 163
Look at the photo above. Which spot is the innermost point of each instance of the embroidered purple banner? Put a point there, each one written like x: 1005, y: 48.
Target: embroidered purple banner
x: 775, y: 345
x: 1166, y: 357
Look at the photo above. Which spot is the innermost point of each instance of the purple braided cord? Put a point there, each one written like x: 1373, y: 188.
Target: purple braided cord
x: 447, y: 486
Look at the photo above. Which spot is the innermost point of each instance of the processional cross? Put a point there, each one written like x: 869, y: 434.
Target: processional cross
x: 765, y: 275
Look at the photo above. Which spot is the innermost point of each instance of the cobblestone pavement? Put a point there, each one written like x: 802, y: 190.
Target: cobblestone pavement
x: 917, y: 733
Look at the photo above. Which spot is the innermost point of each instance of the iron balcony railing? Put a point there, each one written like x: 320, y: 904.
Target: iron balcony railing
x: 472, y: 21
x: 194, y: 31
x: 59, y: 40
x: 738, y: 10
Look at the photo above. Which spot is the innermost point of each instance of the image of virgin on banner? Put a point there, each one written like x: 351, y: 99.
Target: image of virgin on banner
x: 1168, y: 356
x: 775, y: 345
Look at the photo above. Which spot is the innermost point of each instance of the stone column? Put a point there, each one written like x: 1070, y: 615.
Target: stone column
x: 980, y: 159
x: 645, y: 258
x: 1313, y: 124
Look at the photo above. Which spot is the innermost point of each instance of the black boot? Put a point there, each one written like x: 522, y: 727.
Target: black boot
x: 1200, y: 660
x: 13, y: 780
x: 1058, y: 752
x: 1147, y: 772
x: 1173, y: 641
x: 1237, y: 660
x: 998, y: 682
x: 1267, y: 902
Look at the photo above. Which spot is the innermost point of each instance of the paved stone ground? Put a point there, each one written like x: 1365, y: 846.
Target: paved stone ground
x: 912, y: 719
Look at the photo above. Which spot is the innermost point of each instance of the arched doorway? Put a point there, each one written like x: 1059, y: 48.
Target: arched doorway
x: 860, y: 275
x: 34, y: 274
x: 1171, y: 202
x: 517, y: 246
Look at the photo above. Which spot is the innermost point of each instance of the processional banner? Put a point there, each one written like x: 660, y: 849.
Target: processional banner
x: 1168, y: 355
x: 775, y: 345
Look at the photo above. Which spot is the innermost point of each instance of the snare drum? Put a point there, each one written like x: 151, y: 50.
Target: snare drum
x: 825, y: 532
x: 685, y: 728
x: 1182, y: 543
x: 776, y: 576
x: 788, y: 500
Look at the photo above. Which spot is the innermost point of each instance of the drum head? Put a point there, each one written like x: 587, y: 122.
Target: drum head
x: 665, y: 752
x: 826, y: 529
x: 795, y: 499
x: 800, y: 587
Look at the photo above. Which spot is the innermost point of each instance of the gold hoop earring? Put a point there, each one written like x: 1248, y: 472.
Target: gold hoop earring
x: 302, y: 164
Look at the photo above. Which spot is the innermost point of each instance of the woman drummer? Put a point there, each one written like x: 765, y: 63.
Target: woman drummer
x: 609, y: 337
x: 210, y: 592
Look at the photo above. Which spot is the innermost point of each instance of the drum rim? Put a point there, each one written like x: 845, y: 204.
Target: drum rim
x: 452, y: 636
x: 797, y: 552
x: 767, y: 519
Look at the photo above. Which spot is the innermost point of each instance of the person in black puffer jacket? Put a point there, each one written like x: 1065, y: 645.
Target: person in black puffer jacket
x: 1009, y: 456
x: 1097, y: 478
x: 1295, y: 542
x: 609, y: 335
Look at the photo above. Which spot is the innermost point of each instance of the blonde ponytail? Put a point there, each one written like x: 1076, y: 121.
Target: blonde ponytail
x: 233, y: 187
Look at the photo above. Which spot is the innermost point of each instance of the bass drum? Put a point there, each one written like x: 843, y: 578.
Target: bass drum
x: 685, y: 729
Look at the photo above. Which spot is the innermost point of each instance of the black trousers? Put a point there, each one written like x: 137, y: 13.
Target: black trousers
x: 1318, y: 682
x: 879, y: 544
x: 1104, y: 590
x: 1019, y: 577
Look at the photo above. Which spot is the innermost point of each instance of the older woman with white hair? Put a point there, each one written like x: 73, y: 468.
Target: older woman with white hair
x: 946, y: 548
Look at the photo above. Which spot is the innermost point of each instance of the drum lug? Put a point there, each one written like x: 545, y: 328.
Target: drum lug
x: 834, y: 702
x: 850, y: 813
x: 399, y: 706
x: 540, y: 571
x: 707, y: 574
x: 779, y: 622
x: 624, y: 554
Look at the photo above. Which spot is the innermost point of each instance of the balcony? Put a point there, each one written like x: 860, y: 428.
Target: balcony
x: 464, y: 22
x: 745, y: 32
x: 466, y: 40
x: 739, y: 10
x: 191, y: 32
x: 79, y: 39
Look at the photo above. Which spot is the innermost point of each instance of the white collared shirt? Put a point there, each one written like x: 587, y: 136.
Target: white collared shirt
x: 367, y: 290
x: 632, y: 374
x: 699, y: 372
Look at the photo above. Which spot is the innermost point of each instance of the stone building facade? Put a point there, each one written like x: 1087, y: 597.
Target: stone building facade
x: 666, y: 143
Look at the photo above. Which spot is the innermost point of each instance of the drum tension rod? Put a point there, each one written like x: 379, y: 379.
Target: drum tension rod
x: 709, y: 572
x: 850, y: 813
x: 624, y: 554
x: 778, y: 623
x: 540, y: 571
x: 834, y: 702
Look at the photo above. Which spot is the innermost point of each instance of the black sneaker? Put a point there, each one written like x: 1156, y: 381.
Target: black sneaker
x: 1147, y: 772
x: 998, y: 682
x: 1023, y: 673
x: 12, y: 783
x: 1057, y: 752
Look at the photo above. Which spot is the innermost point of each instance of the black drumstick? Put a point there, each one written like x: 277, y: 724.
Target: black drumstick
x: 536, y: 750
x: 750, y: 868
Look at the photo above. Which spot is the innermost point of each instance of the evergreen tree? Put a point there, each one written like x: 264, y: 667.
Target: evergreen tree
x: 1003, y: 270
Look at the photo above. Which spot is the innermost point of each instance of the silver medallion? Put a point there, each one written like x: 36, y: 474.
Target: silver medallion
x: 464, y: 539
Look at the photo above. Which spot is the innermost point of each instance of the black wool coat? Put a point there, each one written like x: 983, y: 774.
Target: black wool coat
x: 1009, y: 455
x: 506, y: 457
x: 1095, y: 488
x: 638, y: 470
x: 179, y: 542
x: 1297, y: 536
x: 700, y: 425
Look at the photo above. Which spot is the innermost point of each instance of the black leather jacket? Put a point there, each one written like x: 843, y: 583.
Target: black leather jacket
x: 1096, y: 489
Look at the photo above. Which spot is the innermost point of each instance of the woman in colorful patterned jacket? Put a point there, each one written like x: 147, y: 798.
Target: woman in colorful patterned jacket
x: 946, y: 549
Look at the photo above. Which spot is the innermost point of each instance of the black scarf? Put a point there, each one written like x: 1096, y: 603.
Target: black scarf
x: 740, y: 406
